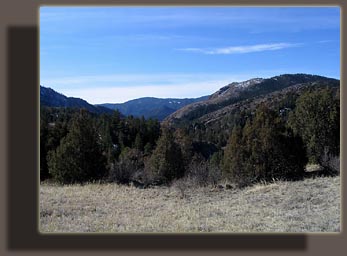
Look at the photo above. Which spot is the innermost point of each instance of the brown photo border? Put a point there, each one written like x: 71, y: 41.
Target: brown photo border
x: 19, y: 67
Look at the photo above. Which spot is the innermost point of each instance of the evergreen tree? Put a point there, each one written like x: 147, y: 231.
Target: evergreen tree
x: 44, y: 174
x: 263, y: 150
x: 166, y: 162
x: 53, y: 127
x: 79, y: 156
x: 111, y: 151
x: 316, y: 119
x: 138, y: 144
x: 234, y: 156
x: 186, y: 144
x: 115, y: 127
x: 152, y: 132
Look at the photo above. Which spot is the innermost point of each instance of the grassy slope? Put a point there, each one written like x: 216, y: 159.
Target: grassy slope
x: 311, y: 205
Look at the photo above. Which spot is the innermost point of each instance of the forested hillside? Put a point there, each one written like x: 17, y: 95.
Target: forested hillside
x: 258, y: 130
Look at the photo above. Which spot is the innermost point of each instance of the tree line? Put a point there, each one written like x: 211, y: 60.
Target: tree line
x: 77, y: 146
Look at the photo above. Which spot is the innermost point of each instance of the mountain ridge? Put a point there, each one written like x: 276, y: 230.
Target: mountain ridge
x: 149, y: 107
x: 177, y: 110
x: 52, y: 98
x: 238, y: 91
x: 152, y: 107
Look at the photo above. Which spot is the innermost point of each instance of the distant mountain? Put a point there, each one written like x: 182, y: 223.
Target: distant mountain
x: 234, y: 94
x: 205, y: 109
x: 51, y: 98
x: 152, y: 107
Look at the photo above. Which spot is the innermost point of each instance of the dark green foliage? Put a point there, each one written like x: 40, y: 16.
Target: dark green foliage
x: 186, y: 144
x: 317, y: 120
x: 204, y: 149
x: 235, y: 157
x: 134, y: 132
x: 115, y: 127
x: 115, y: 134
x: 247, y: 142
x: 151, y: 132
x: 44, y: 174
x: 138, y: 144
x: 53, y: 127
x: 79, y: 157
x: 263, y: 150
x: 166, y: 162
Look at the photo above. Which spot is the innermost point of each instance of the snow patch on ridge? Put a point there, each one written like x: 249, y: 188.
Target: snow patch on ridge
x: 248, y: 83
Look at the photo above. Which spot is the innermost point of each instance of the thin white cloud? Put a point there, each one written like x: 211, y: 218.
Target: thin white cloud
x: 325, y: 41
x: 243, y: 48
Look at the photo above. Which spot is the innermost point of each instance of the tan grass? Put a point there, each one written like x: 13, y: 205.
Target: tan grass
x: 311, y: 205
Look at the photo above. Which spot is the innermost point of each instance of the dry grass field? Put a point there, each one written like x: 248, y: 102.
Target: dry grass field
x: 311, y: 205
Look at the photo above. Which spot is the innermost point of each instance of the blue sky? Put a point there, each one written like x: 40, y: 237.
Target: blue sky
x: 115, y: 54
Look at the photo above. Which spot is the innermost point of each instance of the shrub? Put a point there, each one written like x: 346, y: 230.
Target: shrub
x: 330, y: 163
x: 198, y: 172
x: 129, y: 165
x: 182, y: 185
x: 214, y: 174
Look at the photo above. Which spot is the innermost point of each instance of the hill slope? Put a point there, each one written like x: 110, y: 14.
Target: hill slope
x: 151, y: 107
x: 242, y: 91
x: 51, y: 98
